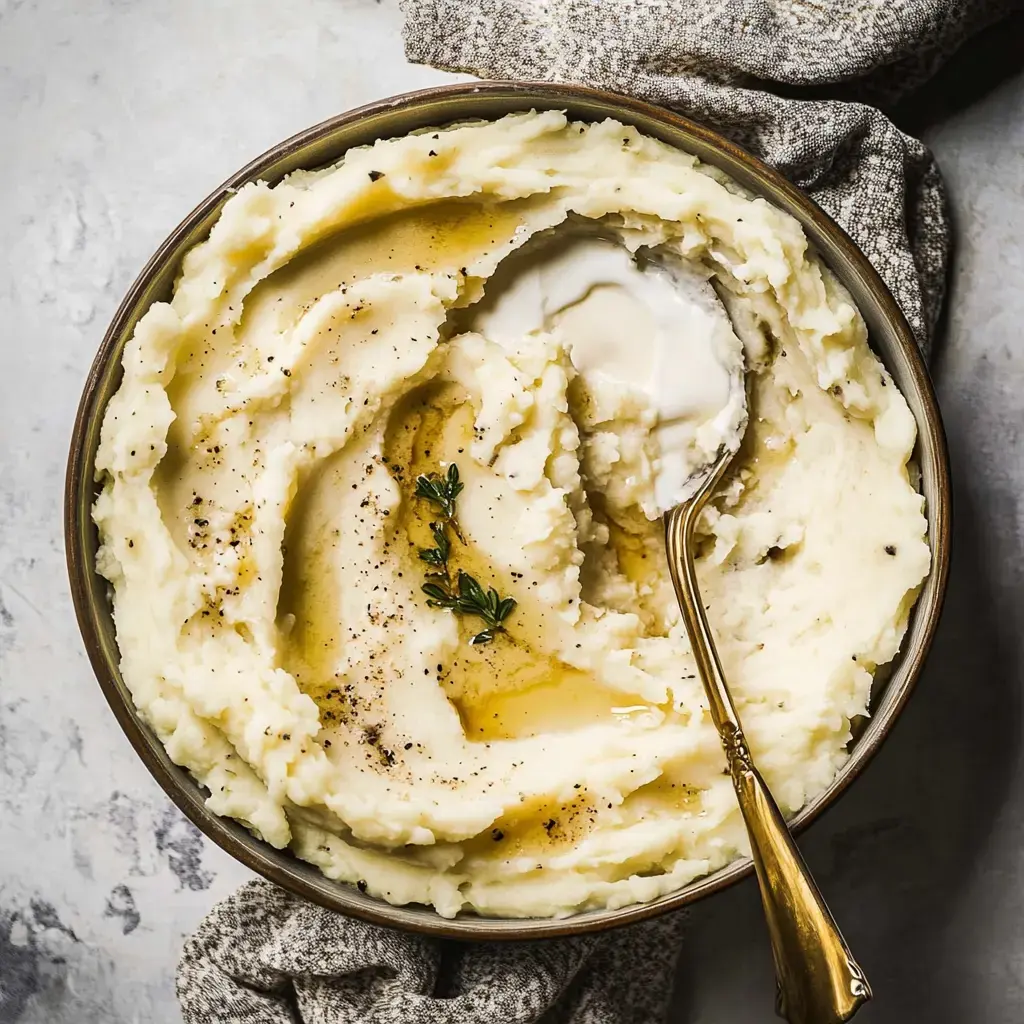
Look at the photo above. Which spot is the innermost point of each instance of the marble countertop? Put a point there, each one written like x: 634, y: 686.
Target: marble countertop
x: 116, y: 117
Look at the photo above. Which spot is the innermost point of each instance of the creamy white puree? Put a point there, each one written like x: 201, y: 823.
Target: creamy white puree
x: 654, y: 327
x: 349, y: 328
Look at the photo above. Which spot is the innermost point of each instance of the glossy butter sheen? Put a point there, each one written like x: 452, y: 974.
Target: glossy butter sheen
x: 261, y: 536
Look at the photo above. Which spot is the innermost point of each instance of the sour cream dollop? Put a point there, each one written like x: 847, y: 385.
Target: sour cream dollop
x: 652, y: 324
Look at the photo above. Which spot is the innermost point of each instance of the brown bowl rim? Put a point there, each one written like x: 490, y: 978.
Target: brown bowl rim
x: 305, y: 881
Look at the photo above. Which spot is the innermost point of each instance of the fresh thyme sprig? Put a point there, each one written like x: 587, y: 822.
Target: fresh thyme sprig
x: 437, y: 556
x: 442, y: 491
x: 469, y: 599
x: 464, y: 596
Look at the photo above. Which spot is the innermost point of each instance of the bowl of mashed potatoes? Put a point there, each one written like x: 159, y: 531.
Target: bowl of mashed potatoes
x: 363, y: 509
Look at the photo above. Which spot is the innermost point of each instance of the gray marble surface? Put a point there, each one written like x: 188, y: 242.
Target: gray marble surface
x: 116, y: 116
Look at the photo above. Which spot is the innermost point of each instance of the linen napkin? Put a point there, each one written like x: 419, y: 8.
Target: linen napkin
x: 793, y: 82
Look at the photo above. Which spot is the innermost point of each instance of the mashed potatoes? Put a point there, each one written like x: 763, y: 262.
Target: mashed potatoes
x: 343, y: 333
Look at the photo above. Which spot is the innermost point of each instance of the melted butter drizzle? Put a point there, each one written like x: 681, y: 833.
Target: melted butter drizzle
x: 506, y: 689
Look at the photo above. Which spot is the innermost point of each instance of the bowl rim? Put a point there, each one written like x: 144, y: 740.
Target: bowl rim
x: 279, y: 866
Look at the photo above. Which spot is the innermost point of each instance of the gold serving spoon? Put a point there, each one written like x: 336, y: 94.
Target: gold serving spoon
x: 819, y: 982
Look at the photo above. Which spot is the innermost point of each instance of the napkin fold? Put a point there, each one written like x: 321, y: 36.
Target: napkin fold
x: 263, y: 956
x: 794, y: 82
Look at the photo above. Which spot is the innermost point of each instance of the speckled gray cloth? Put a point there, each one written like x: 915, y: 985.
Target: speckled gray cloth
x: 265, y: 957
x: 790, y: 80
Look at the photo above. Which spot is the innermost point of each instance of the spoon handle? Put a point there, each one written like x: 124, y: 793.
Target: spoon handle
x: 819, y: 982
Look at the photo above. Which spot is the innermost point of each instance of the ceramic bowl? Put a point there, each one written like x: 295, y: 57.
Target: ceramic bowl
x: 890, y: 336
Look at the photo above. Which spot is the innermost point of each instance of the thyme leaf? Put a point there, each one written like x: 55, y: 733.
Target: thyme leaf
x: 488, y: 605
x: 437, y: 555
x: 441, y: 491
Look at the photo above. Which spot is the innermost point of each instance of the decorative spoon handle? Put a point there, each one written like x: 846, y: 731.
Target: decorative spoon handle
x: 819, y: 982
